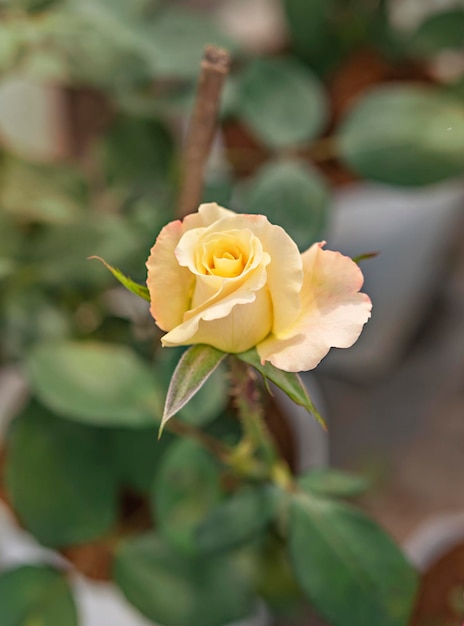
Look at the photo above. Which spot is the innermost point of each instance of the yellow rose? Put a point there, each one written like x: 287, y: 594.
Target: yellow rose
x: 235, y: 281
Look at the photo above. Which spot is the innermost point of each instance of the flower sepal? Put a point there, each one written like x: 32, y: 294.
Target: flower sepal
x: 289, y: 382
x: 128, y: 283
x: 194, y: 368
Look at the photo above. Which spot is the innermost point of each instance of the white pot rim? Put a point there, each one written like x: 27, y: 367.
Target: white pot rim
x: 434, y: 538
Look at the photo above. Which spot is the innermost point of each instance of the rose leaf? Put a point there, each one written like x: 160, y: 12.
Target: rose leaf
x: 36, y: 594
x: 193, y: 370
x: 371, y: 581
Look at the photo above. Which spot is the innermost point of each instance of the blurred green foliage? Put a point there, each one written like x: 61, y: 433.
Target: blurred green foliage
x: 88, y: 437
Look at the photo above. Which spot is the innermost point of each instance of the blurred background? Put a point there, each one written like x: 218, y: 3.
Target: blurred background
x: 342, y: 120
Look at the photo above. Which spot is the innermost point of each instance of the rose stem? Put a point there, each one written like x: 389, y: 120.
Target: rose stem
x: 200, y: 134
x: 182, y: 429
x: 213, y: 72
x: 247, y: 398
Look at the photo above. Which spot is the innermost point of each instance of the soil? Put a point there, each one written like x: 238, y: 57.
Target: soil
x: 440, y: 601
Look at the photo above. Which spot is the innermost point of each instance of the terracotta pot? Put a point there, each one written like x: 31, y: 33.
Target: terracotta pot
x: 437, y: 549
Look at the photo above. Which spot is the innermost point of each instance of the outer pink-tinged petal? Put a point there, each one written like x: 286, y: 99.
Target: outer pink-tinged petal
x: 245, y: 325
x: 170, y: 285
x: 333, y: 313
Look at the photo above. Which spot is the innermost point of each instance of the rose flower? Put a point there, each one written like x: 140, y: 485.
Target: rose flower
x: 235, y: 281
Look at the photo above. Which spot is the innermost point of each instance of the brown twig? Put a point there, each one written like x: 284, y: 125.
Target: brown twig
x: 214, y: 69
x: 216, y: 447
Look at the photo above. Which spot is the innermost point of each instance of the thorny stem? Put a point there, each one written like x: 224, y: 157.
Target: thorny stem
x: 257, y: 438
x: 247, y: 399
x: 214, y: 70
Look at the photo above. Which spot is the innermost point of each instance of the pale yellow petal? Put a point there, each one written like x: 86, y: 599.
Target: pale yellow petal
x: 333, y: 313
x: 285, y: 273
x: 218, y: 307
x: 207, y: 214
x: 211, y: 288
x: 240, y: 329
x: 170, y: 285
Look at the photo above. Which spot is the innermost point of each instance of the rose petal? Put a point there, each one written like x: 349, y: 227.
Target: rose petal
x: 207, y: 214
x: 218, y: 307
x: 170, y: 284
x: 285, y: 273
x: 333, y: 312
x: 240, y: 329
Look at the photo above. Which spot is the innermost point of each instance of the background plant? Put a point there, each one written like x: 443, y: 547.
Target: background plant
x: 89, y: 422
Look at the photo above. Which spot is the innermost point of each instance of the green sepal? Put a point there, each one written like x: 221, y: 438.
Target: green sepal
x: 194, y: 368
x: 364, y: 257
x: 289, y: 382
x: 128, y: 283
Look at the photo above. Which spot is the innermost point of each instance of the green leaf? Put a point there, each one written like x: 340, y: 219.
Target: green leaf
x: 456, y: 88
x: 9, y: 46
x: 289, y: 382
x: 174, y: 591
x: 128, y: 283
x: 59, y: 482
x: 352, y: 572
x: 281, y: 101
x: 404, y: 135
x: 36, y: 596
x: 114, y: 34
x: 95, y: 383
x: 205, y: 406
x: 179, y: 37
x: 41, y: 193
x: 311, y: 32
x: 186, y: 489
x: 136, y: 455
x: 11, y: 238
x: 291, y: 194
x: 139, y: 151
x: 275, y: 581
x: 441, y: 31
x: 28, y: 5
x: 238, y: 520
x: 60, y: 253
x: 332, y: 482
x: 193, y: 370
x: 7, y: 267
x: 29, y: 315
